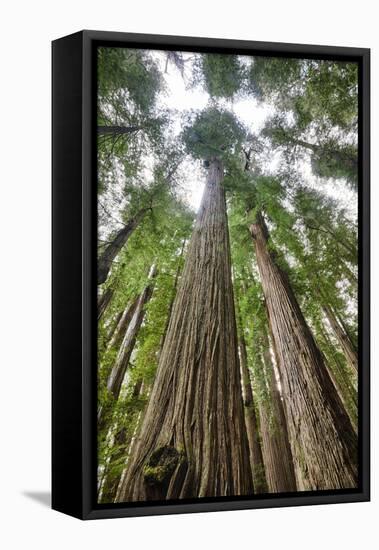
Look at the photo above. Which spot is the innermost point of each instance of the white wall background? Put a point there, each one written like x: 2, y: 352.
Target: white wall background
x: 27, y: 29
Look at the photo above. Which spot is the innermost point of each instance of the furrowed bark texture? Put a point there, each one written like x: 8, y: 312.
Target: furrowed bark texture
x: 193, y: 440
x: 343, y: 338
x: 174, y: 291
x: 279, y: 467
x: 323, y: 442
x: 110, y: 252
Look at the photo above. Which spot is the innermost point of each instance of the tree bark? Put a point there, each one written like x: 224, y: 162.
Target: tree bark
x: 323, y: 441
x: 103, y: 302
x: 343, y: 338
x: 113, y: 327
x: 256, y: 458
x: 123, y: 324
x: 279, y: 467
x: 117, y: 374
x: 113, y: 248
x: 343, y: 385
x: 174, y: 291
x: 120, y: 366
x: 147, y: 390
x: 193, y: 440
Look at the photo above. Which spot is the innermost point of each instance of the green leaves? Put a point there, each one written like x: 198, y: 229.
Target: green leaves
x: 128, y: 73
x: 312, y: 127
x: 213, y: 133
x: 223, y: 74
x: 276, y: 79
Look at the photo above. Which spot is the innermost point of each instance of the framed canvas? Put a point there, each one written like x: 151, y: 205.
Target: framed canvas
x: 210, y: 275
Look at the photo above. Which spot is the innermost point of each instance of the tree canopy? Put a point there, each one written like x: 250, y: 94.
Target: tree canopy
x: 263, y: 273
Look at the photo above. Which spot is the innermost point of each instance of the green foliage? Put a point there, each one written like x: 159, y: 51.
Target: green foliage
x: 129, y: 73
x: 333, y: 161
x: 316, y: 92
x: 316, y: 111
x: 275, y: 79
x: 330, y: 157
x: 330, y: 96
x: 223, y: 74
x: 129, y: 83
x: 311, y: 237
x: 213, y: 133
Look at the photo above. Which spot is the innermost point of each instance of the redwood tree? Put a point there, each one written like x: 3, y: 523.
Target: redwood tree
x: 324, y: 445
x: 193, y: 440
x: 278, y: 458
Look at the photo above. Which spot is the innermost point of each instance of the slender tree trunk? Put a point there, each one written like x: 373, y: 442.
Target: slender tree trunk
x: 193, y: 440
x: 120, y: 366
x: 123, y: 324
x: 323, y: 441
x: 279, y: 467
x: 256, y: 458
x: 117, y: 374
x: 103, y: 302
x: 343, y: 338
x: 113, y: 248
x: 113, y: 327
x: 117, y: 130
x: 347, y: 329
x: 343, y: 385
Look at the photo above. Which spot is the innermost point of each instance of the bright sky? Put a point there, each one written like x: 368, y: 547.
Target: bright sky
x: 181, y: 98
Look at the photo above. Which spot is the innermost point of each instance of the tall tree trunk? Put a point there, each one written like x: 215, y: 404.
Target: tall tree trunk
x: 103, y: 302
x: 193, y: 440
x: 323, y: 441
x: 117, y: 374
x: 123, y: 324
x: 279, y: 466
x: 121, y: 363
x: 113, y: 248
x: 113, y: 327
x: 343, y: 385
x: 343, y: 338
x: 256, y: 458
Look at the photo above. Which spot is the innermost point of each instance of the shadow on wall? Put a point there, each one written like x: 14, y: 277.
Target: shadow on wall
x: 41, y: 497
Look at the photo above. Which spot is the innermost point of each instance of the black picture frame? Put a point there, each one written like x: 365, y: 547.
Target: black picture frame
x: 74, y: 273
